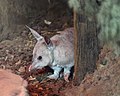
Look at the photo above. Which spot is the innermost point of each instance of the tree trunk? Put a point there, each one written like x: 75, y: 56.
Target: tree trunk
x: 86, y: 45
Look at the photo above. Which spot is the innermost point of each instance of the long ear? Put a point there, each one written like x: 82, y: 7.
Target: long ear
x: 35, y: 34
x: 48, y: 42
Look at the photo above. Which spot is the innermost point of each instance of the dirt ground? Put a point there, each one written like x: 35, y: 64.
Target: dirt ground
x: 17, y: 56
x: 105, y: 81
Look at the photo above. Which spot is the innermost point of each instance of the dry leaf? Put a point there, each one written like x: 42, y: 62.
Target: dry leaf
x: 47, y: 22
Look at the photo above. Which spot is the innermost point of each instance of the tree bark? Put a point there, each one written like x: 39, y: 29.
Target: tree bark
x: 86, y: 45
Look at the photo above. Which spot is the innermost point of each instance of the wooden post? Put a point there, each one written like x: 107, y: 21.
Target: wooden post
x: 85, y: 45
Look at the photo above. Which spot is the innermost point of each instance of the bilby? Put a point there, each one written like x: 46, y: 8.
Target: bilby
x: 56, y: 52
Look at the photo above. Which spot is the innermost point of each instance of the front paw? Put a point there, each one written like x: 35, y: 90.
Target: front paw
x: 53, y: 76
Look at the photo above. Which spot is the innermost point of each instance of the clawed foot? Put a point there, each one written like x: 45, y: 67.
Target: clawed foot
x: 66, y: 77
x: 57, y: 74
x: 53, y: 76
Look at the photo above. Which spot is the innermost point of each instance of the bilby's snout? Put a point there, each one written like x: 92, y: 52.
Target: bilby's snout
x: 34, y: 66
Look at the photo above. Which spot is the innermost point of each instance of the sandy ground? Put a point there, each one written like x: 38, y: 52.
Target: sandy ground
x: 17, y: 56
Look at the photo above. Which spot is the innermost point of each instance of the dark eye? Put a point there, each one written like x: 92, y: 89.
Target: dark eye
x: 40, y: 57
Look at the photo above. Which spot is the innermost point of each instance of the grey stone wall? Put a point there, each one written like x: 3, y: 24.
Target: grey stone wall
x: 14, y: 14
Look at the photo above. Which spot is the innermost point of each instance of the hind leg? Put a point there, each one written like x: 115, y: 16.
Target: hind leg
x: 56, y: 74
x: 67, y: 72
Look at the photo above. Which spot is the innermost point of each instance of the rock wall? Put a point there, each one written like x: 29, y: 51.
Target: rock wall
x: 14, y: 14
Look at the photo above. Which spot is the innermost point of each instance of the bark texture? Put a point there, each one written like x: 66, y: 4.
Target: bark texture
x: 86, y: 44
